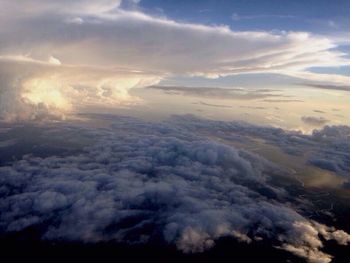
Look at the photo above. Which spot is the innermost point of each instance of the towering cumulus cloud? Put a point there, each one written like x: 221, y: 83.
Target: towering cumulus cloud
x: 39, y: 90
x: 157, y: 182
x: 80, y: 37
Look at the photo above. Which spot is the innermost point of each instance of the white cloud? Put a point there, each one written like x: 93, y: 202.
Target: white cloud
x: 109, y: 36
x: 330, y: 81
x: 101, y: 35
x: 44, y: 90
x: 38, y: 7
x: 136, y: 41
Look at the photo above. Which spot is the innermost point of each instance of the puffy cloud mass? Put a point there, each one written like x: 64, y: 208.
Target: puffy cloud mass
x: 328, y: 148
x: 36, y: 90
x: 157, y: 182
x: 105, y: 37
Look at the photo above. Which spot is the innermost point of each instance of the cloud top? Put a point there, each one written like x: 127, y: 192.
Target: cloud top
x: 147, y: 182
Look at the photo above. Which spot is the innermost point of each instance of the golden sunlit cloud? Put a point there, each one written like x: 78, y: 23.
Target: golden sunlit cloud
x: 46, y: 92
x: 38, y: 90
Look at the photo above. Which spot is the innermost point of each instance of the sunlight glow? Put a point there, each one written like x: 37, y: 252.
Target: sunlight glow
x: 45, y: 92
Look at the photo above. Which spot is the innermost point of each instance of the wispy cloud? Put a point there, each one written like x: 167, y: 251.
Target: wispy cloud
x: 237, y: 17
x: 328, y: 86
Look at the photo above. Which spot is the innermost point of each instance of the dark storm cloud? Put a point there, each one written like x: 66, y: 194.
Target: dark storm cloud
x: 141, y: 181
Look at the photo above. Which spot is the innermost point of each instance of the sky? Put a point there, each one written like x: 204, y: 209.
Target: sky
x: 328, y: 18
x: 62, y: 57
x: 314, y: 16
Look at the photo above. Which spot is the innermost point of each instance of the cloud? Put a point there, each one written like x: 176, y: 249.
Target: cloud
x: 325, y: 164
x: 319, y: 111
x: 281, y: 100
x: 137, y: 41
x: 212, y: 105
x: 103, y: 36
x: 37, y: 90
x: 253, y: 107
x: 237, y: 17
x: 217, y: 92
x: 328, y: 147
x: 39, y: 7
x: 314, y: 121
x: 322, y: 80
x: 157, y: 182
x: 335, y: 155
x: 328, y: 86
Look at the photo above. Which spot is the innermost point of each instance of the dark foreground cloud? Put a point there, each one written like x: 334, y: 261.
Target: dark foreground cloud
x: 334, y: 153
x: 328, y: 148
x: 158, y: 182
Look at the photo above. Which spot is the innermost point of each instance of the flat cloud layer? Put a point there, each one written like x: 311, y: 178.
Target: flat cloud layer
x: 105, y: 37
x: 158, y: 182
x: 218, y: 93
